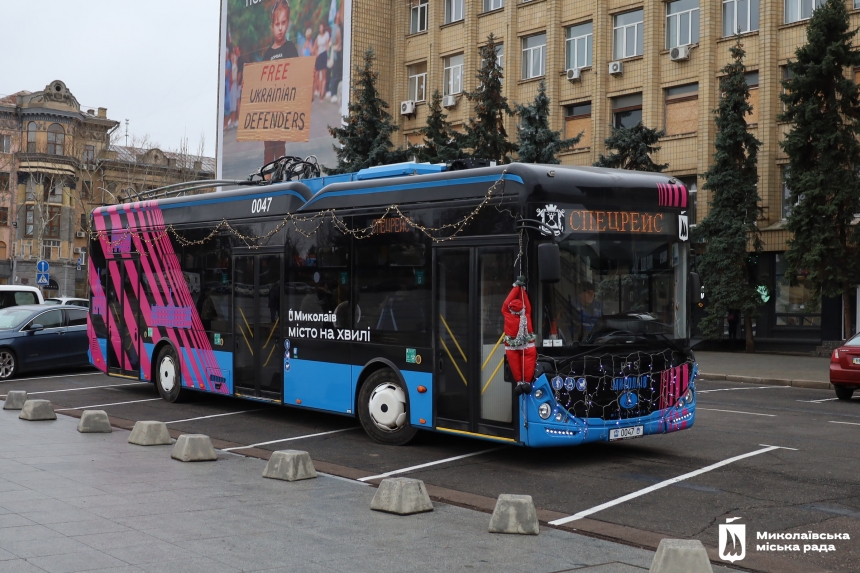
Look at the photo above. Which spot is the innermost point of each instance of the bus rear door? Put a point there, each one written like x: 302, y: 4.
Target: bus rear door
x: 472, y: 395
x: 258, y: 355
x: 123, y: 301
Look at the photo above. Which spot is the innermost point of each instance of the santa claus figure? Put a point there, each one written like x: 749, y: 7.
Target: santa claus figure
x: 519, y: 337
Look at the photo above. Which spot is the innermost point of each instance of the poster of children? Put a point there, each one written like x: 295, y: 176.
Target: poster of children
x: 271, y: 108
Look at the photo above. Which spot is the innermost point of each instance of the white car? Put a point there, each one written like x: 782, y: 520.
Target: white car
x: 15, y: 295
x: 68, y: 300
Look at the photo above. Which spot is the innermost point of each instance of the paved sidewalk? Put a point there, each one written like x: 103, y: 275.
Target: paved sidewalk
x: 74, y: 502
x: 767, y: 368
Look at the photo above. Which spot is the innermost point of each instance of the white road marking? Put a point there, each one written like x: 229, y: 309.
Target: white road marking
x: 749, y: 388
x: 103, y: 405
x: 849, y: 423
x: 215, y: 416
x: 663, y: 484
x: 817, y: 401
x: 85, y: 388
x: 288, y: 439
x: 736, y: 412
x: 47, y: 377
x: 428, y: 464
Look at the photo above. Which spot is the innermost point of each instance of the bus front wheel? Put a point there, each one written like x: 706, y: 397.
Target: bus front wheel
x: 383, y: 409
x: 168, y: 376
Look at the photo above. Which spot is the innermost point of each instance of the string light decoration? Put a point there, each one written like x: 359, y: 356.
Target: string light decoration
x: 615, y: 387
x: 495, y: 195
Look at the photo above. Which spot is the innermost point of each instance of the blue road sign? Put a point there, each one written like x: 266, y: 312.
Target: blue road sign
x: 42, y: 266
x: 42, y: 279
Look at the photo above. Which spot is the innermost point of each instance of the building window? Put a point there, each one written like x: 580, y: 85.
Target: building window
x: 682, y: 23
x: 795, y: 300
x: 490, y: 5
x: 5, y: 182
x: 691, y: 183
x: 418, y: 21
x: 534, y: 56
x: 500, y: 57
x: 89, y: 155
x: 50, y: 250
x: 577, y: 46
x: 453, y: 74
x: 2, y: 250
x: 682, y: 109
x: 577, y: 119
x: 56, y: 138
x: 52, y: 225
x: 628, y: 35
x: 5, y: 144
x: 788, y: 75
x: 417, y: 82
x: 29, y: 214
x: 453, y: 10
x: 797, y: 10
x: 31, y: 137
x: 752, y: 81
x: 740, y: 16
x: 4, y: 216
x: 86, y: 190
x: 627, y: 111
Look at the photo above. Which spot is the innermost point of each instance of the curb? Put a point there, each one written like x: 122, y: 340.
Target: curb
x: 815, y: 384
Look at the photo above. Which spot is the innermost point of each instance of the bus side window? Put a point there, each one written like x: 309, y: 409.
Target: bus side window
x: 392, y: 279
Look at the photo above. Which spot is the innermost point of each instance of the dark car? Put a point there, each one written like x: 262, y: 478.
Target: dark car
x: 36, y: 337
x: 845, y: 368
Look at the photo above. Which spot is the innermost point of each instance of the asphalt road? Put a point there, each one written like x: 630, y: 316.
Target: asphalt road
x: 810, y: 483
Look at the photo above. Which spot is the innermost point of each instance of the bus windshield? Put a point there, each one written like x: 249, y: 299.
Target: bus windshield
x: 614, y: 290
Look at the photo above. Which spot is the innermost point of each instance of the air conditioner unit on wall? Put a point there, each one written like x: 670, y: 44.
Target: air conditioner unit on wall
x: 449, y: 101
x: 680, y: 53
x: 407, y: 107
x: 81, y: 234
x: 573, y: 74
x: 77, y: 250
x: 616, y: 68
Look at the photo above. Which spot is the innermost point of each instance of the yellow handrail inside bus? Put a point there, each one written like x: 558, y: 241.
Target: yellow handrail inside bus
x: 251, y: 350
x: 248, y: 326
x: 490, y: 355
x: 272, y: 351
x: 454, y: 338
x: 493, y: 375
x: 274, y: 327
x: 454, y: 362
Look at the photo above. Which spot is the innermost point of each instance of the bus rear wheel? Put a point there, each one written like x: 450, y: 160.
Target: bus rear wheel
x: 383, y: 409
x: 168, y: 376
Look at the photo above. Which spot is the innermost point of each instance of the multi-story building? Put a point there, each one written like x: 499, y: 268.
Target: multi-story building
x: 56, y: 164
x: 617, y: 62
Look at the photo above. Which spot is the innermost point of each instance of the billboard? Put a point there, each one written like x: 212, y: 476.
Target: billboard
x: 284, y: 78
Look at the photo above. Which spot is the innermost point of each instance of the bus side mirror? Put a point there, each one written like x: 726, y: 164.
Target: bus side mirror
x: 695, y: 287
x: 549, y: 263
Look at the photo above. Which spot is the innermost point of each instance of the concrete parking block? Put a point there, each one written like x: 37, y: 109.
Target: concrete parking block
x: 37, y: 410
x: 681, y: 556
x: 193, y: 448
x: 290, y: 465
x: 402, y: 496
x: 149, y: 434
x: 15, y: 400
x: 94, y: 422
x: 514, y: 514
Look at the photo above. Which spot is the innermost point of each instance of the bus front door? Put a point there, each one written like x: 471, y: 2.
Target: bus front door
x: 472, y: 395
x: 123, y: 301
x: 258, y: 370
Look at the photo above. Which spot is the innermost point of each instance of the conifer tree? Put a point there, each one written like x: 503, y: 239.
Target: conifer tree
x: 730, y: 226
x: 439, y: 145
x: 485, y: 134
x: 634, y: 147
x: 537, y: 142
x: 365, y: 136
x: 823, y: 152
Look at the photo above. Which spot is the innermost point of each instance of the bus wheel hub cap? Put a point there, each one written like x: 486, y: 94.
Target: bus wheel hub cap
x: 167, y: 371
x: 388, y: 407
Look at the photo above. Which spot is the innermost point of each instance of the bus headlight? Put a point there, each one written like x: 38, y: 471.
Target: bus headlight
x: 544, y: 411
x: 688, y: 397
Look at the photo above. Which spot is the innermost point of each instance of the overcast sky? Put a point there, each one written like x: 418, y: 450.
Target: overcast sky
x: 153, y: 62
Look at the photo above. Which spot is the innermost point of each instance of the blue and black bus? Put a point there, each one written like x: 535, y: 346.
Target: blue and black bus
x: 378, y: 295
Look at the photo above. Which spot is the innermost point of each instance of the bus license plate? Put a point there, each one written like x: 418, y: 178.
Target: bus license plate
x: 626, y: 433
